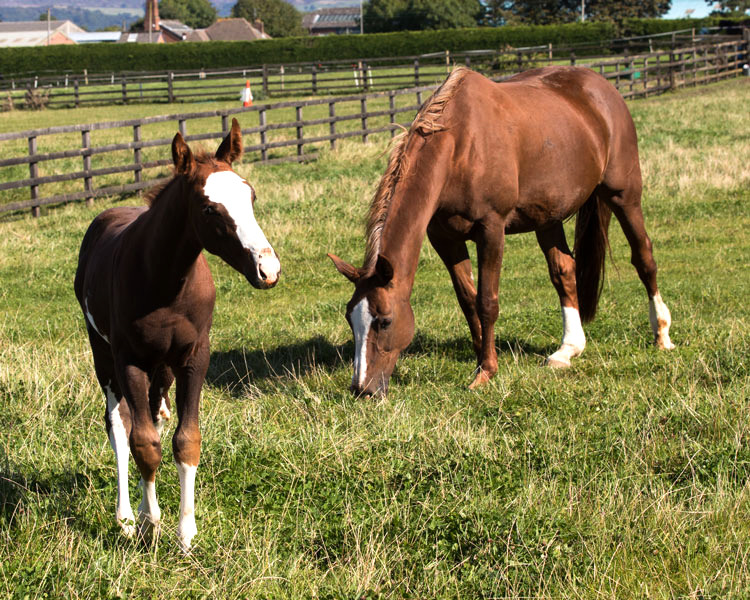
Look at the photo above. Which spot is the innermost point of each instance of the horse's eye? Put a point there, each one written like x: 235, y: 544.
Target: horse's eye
x: 209, y: 210
x: 385, y: 323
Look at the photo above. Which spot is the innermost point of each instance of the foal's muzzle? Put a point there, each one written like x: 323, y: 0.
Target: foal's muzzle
x: 267, y: 269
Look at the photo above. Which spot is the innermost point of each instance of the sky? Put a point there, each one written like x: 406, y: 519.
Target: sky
x: 680, y: 6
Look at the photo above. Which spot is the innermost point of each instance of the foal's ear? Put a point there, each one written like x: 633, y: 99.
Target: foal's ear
x: 347, y: 270
x: 182, y: 156
x: 231, y: 148
x: 384, y: 269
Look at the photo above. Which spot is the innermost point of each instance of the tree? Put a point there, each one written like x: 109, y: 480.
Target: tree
x: 280, y: 19
x: 545, y: 12
x: 740, y: 7
x: 398, y: 15
x: 197, y: 14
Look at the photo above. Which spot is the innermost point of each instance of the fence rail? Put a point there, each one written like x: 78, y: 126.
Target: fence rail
x: 283, y: 133
x: 331, y: 77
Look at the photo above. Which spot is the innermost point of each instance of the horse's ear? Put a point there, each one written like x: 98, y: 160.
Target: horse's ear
x: 182, y: 156
x: 343, y: 267
x: 231, y: 148
x: 384, y: 269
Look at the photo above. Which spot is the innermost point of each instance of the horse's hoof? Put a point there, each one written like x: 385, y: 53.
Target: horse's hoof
x: 148, y: 530
x: 127, y: 526
x: 556, y: 363
x: 480, y: 379
x: 664, y: 343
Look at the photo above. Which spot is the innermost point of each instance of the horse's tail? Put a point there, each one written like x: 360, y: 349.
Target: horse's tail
x: 592, y: 241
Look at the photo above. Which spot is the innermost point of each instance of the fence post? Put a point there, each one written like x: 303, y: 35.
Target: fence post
x: 137, y: 153
x: 332, y: 124
x: 225, y: 124
x: 392, y: 111
x: 265, y: 80
x: 572, y: 59
x: 416, y: 72
x: 363, y: 106
x: 263, y: 135
x: 298, y: 111
x: 671, y: 66
x: 75, y: 91
x: 467, y: 61
x: 447, y: 61
x: 33, y: 173
x: 519, y: 61
x: 170, y: 90
x: 281, y: 73
x: 124, y: 91
x: 314, y: 75
x: 182, y: 127
x: 87, y: 180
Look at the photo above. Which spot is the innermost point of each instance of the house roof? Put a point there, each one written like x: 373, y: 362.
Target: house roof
x: 95, y: 36
x: 143, y: 37
x: 197, y: 35
x: 229, y: 30
x: 34, y: 33
x: 332, y: 18
x: 176, y: 27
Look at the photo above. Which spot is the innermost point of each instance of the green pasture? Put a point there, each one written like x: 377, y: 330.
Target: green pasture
x: 625, y: 476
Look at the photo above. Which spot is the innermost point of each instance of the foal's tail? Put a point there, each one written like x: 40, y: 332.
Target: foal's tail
x: 592, y: 241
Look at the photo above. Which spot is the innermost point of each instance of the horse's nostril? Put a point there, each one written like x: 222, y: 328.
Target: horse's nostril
x: 262, y: 275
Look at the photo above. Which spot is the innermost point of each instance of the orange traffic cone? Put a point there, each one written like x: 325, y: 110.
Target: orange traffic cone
x: 247, y: 95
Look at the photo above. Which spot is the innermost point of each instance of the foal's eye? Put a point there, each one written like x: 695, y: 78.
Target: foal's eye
x: 209, y: 210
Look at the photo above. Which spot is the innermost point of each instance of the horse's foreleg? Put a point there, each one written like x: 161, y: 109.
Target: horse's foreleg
x: 186, y: 443
x: 145, y: 445
x: 490, y: 244
x: 117, y: 419
x: 630, y: 215
x: 562, y: 273
x: 455, y: 255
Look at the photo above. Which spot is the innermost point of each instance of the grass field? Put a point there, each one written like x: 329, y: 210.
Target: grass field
x: 625, y: 476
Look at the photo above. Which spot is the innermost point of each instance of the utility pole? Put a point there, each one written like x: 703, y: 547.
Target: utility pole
x: 49, y: 26
x: 361, y: 20
x: 583, y: 10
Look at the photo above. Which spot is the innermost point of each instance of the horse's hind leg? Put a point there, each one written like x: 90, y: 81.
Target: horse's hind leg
x: 627, y: 208
x: 455, y: 255
x: 562, y: 272
x: 158, y: 399
x: 117, y: 419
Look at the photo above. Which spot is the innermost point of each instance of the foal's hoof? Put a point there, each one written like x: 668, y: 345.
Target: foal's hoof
x: 481, y: 378
x: 148, y: 530
x: 127, y: 526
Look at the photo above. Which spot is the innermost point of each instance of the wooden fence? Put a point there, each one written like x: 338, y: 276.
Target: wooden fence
x: 332, y: 77
x: 283, y: 133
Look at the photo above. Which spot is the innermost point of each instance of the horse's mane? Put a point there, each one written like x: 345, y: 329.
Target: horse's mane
x: 427, y: 121
x: 152, y: 195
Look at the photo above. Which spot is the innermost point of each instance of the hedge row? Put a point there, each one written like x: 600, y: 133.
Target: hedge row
x: 103, y: 58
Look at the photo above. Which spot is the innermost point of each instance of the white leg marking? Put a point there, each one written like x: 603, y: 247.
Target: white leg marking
x: 163, y: 416
x: 91, y: 320
x: 658, y: 314
x: 149, y: 513
x: 361, y: 323
x: 573, y: 340
x: 186, y: 529
x: 118, y: 439
x: 229, y: 189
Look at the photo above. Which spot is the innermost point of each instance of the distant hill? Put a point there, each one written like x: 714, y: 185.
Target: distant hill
x: 95, y: 15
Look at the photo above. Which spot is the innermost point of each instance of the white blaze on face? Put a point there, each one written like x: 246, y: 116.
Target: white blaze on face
x: 361, y: 323
x: 233, y: 192
x: 118, y: 439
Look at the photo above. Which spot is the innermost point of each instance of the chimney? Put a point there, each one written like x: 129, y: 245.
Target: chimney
x: 258, y: 24
x: 151, y: 21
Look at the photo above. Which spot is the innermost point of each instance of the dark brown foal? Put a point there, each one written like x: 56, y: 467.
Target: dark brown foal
x: 147, y: 297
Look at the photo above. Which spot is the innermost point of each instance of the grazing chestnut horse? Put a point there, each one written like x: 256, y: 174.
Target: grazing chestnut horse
x: 148, y: 297
x: 482, y: 160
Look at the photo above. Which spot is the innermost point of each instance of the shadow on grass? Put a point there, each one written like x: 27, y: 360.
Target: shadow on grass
x: 235, y: 369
